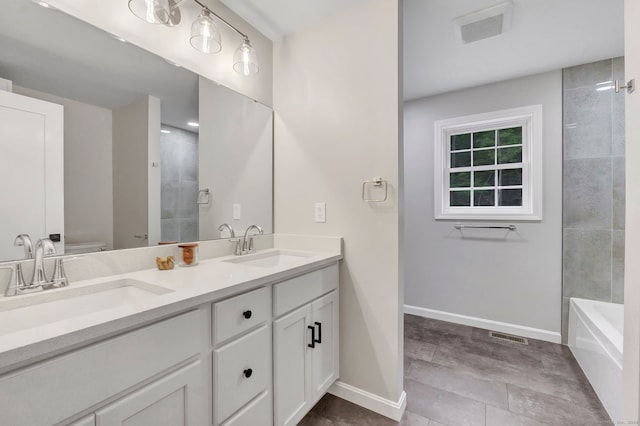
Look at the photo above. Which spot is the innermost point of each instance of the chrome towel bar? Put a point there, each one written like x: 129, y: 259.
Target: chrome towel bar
x: 461, y: 226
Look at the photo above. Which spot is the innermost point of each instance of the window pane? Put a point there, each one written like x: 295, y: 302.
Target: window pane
x: 461, y: 159
x: 510, y: 155
x: 485, y: 197
x: 460, y: 198
x: 511, y: 136
x: 461, y: 142
x: 509, y: 177
x: 510, y: 197
x: 460, y: 180
x: 484, y: 139
x: 484, y: 158
x: 484, y: 178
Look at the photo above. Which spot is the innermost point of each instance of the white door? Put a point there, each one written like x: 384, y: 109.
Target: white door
x: 292, y: 366
x: 31, y: 170
x: 324, y: 357
x: 177, y: 399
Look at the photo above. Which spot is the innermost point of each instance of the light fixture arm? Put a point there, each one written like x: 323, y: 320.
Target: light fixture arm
x: 224, y: 21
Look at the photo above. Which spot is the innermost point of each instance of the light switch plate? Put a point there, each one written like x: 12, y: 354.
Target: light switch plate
x: 236, y: 212
x: 320, y: 212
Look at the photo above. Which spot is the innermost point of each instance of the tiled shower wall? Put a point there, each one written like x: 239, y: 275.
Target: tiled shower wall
x: 179, y: 182
x: 593, y: 188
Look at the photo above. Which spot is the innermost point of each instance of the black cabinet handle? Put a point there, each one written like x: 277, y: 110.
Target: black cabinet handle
x: 248, y: 372
x: 319, y: 332
x: 246, y: 314
x: 313, y: 336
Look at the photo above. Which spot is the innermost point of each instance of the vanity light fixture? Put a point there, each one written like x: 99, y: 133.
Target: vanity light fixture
x: 205, y: 35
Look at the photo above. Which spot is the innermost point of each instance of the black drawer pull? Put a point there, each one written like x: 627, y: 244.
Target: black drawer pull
x: 248, y: 372
x: 319, y: 332
x: 313, y: 336
x: 246, y: 314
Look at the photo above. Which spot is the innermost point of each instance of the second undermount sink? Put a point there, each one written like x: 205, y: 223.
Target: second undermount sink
x: 272, y: 259
x: 33, y: 310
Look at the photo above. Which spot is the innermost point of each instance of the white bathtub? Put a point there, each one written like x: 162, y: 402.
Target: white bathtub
x: 595, y: 338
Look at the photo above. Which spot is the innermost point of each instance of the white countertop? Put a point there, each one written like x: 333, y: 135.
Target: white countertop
x: 210, y: 280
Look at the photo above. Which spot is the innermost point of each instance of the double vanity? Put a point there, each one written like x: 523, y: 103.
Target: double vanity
x: 235, y: 340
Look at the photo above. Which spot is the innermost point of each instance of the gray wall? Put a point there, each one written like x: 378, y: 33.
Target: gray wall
x: 179, y: 185
x: 512, y: 278
x: 593, y: 214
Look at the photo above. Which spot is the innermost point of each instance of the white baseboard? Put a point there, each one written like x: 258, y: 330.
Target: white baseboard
x: 392, y: 409
x: 504, y: 327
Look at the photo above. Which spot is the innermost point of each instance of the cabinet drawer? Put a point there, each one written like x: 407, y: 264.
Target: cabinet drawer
x: 242, y: 370
x: 73, y: 382
x: 258, y: 412
x: 295, y: 292
x: 234, y: 316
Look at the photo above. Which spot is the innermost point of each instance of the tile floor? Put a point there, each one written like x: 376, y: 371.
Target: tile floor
x: 458, y: 375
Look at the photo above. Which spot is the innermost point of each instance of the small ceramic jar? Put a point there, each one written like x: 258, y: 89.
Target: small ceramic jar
x: 189, y: 254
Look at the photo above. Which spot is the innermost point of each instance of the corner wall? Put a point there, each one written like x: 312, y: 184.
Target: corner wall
x: 510, y: 282
x: 336, y: 101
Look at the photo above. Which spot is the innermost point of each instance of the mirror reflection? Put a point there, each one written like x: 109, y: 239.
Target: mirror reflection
x: 108, y: 146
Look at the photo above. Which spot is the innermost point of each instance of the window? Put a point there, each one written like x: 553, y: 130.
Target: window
x: 489, y: 166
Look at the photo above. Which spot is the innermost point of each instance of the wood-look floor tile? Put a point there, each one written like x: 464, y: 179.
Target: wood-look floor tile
x: 480, y: 367
x: 442, y: 406
x: 457, y: 382
x: 413, y: 419
x: 417, y: 349
x: 554, y: 411
x: 500, y: 417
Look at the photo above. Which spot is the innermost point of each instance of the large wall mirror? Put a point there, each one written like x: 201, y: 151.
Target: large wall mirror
x: 150, y: 152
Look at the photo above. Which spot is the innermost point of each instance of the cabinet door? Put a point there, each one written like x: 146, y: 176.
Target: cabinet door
x: 292, y: 366
x: 177, y: 399
x: 324, y: 357
x: 85, y: 421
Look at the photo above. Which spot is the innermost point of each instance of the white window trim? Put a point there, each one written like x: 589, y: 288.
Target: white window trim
x: 530, y: 118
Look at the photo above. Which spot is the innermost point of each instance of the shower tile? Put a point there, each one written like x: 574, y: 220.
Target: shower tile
x: 169, y: 155
x: 618, y: 193
x: 587, y: 193
x: 188, y: 208
x: 587, y: 74
x: 189, y: 162
x: 617, y: 265
x: 617, y: 110
x: 587, y: 123
x: 565, y: 320
x: 188, y: 230
x: 169, y: 199
x: 587, y: 264
x: 170, y: 230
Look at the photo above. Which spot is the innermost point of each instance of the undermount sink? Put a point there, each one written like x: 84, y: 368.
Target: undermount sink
x: 33, y: 310
x: 271, y: 259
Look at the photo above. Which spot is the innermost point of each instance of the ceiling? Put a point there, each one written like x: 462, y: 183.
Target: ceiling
x: 49, y: 51
x: 278, y: 18
x: 545, y: 35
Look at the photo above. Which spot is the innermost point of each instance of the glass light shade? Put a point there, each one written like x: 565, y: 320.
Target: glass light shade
x: 152, y: 11
x: 245, y: 60
x: 205, y: 36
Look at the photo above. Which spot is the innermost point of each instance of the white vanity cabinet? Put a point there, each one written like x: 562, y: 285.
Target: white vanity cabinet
x: 305, y: 342
x: 242, y: 359
x: 171, y: 400
x: 64, y: 387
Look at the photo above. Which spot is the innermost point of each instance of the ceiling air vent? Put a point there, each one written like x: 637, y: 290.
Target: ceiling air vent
x: 485, y: 23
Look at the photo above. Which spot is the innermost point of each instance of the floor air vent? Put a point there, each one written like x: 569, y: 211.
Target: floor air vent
x: 508, y: 337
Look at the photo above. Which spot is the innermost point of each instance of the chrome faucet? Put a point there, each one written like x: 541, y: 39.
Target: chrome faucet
x: 44, y: 247
x: 247, y: 245
x: 25, y: 241
x: 232, y: 237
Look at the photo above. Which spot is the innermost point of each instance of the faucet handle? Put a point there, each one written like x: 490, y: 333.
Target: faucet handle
x: 16, y: 280
x: 59, y: 278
